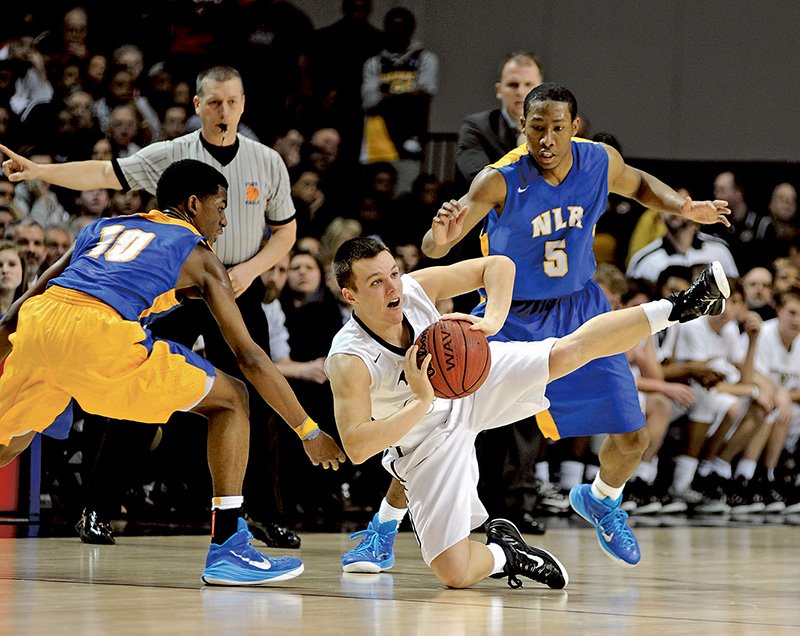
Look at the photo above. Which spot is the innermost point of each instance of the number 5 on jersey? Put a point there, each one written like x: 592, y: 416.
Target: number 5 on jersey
x: 556, y: 263
x: 121, y: 248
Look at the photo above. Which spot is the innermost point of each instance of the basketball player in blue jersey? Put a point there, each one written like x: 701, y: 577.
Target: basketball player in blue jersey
x: 539, y: 205
x: 77, y: 335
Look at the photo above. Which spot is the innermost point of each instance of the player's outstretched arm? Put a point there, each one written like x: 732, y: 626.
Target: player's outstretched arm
x: 455, y: 218
x: 654, y: 193
x: 77, y: 175
x: 204, y: 270
x: 363, y: 437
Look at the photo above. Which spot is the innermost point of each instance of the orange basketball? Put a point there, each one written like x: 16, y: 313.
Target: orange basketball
x: 460, y: 358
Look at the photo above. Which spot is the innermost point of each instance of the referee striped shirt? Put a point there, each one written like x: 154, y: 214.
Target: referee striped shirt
x: 259, y: 192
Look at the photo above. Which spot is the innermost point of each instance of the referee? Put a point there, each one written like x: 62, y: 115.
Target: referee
x: 259, y: 199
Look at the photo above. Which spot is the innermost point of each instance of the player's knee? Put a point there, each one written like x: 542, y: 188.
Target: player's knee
x: 240, y: 399
x: 633, y: 442
x: 454, y: 575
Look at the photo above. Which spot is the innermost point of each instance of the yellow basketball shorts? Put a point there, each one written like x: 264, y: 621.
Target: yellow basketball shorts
x: 70, y: 345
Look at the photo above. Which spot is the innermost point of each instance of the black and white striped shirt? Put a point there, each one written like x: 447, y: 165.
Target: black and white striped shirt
x: 259, y: 192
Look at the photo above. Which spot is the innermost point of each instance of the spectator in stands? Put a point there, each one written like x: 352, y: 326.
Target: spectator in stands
x: 783, y: 211
x: 57, y: 240
x: 12, y: 274
x: 396, y: 94
x: 757, y: 286
x: 123, y: 128
x: 35, y: 199
x: 288, y: 145
x: 96, y: 80
x: 336, y: 60
x: 102, y: 150
x: 121, y: 93
x: 28, y: 72
x: 682, y: 245
x: 787, y: 275
x: 174, y: 123
x: 308, y: 200
x: 751, y: 234
x: 28, y: 235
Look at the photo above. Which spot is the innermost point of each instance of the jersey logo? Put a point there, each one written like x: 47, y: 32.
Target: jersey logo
x: 521, y: 190
x: 553, y: 220
x: 251, y: 192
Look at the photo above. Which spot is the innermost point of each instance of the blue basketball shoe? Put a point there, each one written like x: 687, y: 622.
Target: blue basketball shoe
x: 375, y: 553
x: 236, y: 562
x: 613, y: 532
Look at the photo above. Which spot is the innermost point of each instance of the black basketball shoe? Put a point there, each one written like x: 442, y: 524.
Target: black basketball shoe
x: 92, y: 529
x: 521, y: 558
x: 705, y: 297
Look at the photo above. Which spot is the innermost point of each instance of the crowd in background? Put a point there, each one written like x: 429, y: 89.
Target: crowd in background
x: 346, y: 107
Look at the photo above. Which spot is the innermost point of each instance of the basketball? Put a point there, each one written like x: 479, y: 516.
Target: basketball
x: 460, y: 358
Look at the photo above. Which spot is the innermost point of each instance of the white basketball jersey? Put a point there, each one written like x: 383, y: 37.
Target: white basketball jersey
x: 774, y: 361
x: 388, y: 388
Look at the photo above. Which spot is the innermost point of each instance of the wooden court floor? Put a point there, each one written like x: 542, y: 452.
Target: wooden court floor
x: 692, y: 580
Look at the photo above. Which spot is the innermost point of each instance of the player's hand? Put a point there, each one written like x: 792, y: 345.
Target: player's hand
x: 485, y: 325
x: 706, y: 212
x: 681, y: 394
x: 417, y: 377
x: 18, y: 168
x: 241, y: 278
x: 448, y: 222
x: 324, y: 450
x: 314, y: 371
x: 752, y: 325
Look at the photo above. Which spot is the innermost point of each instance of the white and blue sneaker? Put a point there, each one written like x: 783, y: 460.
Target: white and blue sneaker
x: 375, y: 552
x: 613, y: 532
x: 236, y: 562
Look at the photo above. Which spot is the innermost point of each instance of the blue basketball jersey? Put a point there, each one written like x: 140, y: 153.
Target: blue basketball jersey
x: 131, y: 263
x: 547, y: 230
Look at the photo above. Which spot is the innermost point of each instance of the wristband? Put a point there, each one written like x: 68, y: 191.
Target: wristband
x: 755, y: 392
x: 307, y: 430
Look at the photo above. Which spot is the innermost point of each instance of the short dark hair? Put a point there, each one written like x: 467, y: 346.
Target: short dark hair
x: 352, y: 250
x: 400, y: 13
x: 551, y: 92
x: 216, y: 74
x: 185, y: 178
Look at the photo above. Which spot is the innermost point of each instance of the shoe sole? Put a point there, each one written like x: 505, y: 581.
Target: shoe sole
x: 210, y: 579
x: 613, y: 557
x: 648, y: 509
x: 365, y: 567
x: 721, y: 279
x: 673, y: 507
x: 560, y: 565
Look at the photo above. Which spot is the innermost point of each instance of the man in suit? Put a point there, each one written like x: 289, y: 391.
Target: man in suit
x: 486, y: 136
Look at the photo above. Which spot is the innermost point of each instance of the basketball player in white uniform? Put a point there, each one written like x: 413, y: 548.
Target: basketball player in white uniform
x: 778, y: 360
x: 384, y: 402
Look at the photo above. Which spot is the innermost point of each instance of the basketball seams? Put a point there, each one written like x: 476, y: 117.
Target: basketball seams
x: 464, y: 356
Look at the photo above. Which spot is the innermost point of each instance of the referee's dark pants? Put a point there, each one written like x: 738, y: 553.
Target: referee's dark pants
x: 184, y: 325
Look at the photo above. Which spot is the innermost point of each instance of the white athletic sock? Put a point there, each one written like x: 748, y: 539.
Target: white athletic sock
x: 647, y: 471
x: 499, y: 557
x: 387, y: 512
x: 746, y: 468
x: 571, y: 474
x: 591, y: 471
x: 721, y: 467
x: 602, y: 490
x: 770, y: 474
x: 226, y: 503
x: 543, y: 472
x: 657, y: 313
x: 685, y: 468
x: 704, y: 469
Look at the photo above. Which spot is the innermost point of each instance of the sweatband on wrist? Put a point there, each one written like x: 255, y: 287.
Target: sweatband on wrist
x: 307, y: 430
